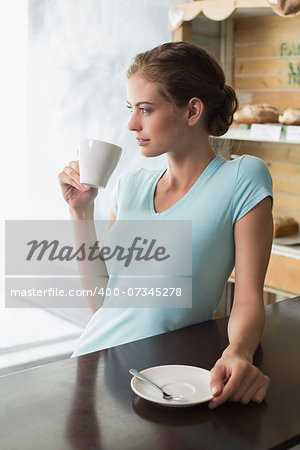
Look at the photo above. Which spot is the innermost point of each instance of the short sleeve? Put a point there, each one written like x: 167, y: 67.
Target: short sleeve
x: 253, y: 184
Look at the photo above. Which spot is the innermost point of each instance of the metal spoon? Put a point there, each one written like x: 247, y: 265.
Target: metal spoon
x: 166, y: 396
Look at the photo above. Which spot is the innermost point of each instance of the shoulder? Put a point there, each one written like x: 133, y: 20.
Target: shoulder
x: 247, y: 167
x: 251, y: 165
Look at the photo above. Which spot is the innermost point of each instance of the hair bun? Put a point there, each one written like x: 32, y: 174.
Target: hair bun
x: 221, y: 118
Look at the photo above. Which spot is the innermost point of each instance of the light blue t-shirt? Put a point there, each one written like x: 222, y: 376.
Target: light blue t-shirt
x: 223, y: 194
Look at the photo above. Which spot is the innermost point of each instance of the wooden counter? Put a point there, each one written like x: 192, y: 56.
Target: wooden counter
x: 87, y: 403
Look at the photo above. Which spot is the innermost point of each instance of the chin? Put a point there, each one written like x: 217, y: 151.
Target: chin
x: 150, y: 153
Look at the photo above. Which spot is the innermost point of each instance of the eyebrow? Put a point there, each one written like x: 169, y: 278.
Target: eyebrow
x: 140, y: 103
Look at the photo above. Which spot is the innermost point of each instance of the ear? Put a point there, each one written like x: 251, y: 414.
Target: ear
x: 195, y: 110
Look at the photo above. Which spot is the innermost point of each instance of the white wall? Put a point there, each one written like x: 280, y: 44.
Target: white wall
x: 78, y: 55
x: 13, y: 114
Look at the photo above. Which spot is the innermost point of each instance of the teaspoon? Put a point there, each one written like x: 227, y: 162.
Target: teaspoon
x: 166, y: 396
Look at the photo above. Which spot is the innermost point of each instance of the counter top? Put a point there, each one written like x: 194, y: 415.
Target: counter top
x: 87, y: 403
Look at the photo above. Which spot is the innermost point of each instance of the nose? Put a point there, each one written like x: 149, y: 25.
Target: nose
x: 134, y: 123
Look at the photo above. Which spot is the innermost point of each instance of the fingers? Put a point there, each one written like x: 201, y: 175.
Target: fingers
x: 218, y: 377
x: 262, y: 390
x: 74, y: 165
x: 70, y: 175
x: 246, y: 383
x: 227, y: 392
x: 254, y: 390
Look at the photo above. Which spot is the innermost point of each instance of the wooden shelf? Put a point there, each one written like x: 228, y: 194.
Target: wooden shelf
x: 244, y: 135
x: 289, y: 251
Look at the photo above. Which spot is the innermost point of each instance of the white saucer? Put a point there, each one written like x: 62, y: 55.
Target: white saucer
x: 190, y: 381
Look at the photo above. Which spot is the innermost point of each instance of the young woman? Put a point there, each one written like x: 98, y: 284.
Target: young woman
x: 178, y: 98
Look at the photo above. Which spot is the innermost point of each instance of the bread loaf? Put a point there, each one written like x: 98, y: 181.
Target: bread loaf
x: 260, y: 113
x: 285, y: 226
x: 290, y: 117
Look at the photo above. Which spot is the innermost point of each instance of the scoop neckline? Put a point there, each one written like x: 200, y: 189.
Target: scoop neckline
x: 206, y: 172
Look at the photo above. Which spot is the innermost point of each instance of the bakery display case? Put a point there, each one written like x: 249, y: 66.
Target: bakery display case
x: 258, y: 45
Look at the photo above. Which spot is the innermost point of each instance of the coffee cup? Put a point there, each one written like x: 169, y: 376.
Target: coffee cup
x: 97, y: 161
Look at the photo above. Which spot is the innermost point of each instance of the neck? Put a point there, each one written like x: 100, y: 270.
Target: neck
x: 185, y: 167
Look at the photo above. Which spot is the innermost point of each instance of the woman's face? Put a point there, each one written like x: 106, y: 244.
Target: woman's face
x: 159, y: 126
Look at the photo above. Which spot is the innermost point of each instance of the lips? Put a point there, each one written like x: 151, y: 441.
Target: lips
x: 142, y: 142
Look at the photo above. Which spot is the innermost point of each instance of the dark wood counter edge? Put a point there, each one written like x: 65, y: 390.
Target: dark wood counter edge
x: 284, y: 304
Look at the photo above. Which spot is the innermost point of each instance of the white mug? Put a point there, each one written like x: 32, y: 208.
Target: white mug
x: 97, y: 161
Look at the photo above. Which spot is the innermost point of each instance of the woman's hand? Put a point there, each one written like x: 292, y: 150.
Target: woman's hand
x: 78, y: 196
x: 236, y: 379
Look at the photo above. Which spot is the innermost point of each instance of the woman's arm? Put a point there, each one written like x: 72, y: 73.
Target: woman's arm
x: 81, y: 206
x: 243, y: 381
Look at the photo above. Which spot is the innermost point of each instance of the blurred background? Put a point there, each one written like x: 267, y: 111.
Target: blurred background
x: 78, y: 56
x: 64, y: 80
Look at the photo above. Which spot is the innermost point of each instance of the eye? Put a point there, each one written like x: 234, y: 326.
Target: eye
x: 145, y: 110
x: 129, y: 107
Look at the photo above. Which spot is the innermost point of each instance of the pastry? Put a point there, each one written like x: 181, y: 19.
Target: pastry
x: 285, y: 226
x: 290, y: 117
x: 259, y: 113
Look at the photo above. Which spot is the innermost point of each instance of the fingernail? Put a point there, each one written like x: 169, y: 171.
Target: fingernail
x: 212, y: 405
x: 214, y: 390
